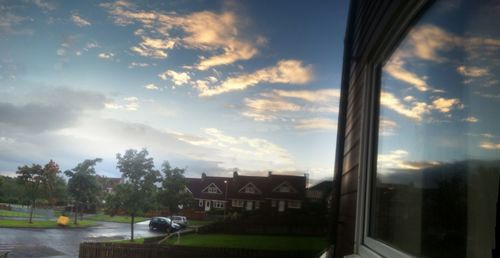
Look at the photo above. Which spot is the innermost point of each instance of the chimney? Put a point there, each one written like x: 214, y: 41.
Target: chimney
x: 269, y: 173
x: 203, y: 175
x: 235, y: 174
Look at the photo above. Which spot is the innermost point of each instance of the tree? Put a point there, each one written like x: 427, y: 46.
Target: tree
x: 31, y: 177
x: 51, y: 181
x: 135, y: 195
x: 173, y: 191
x: 83, y: 185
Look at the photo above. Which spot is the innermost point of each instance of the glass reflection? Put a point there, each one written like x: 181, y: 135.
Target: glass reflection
x: 436, y: 183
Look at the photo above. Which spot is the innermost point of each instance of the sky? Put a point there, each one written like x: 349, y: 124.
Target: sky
x: 209, y: 86
x: 440, y: 92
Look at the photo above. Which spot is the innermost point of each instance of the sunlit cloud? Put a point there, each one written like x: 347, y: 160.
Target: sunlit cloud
x: 396, y: 160
x: 137, y: 64
x: 285, y: 72
x: 106, y: 55
x: 316, y: 124
x: 471, y: 119
x: 473, y: 71
x: 178, y: 78
x: 395, y: 67
x: 207, y: 31
x: 274, y: 104
x: 323, y: 96
x: 415, y: 111
x: 241, y: 151
x: 151, y: 86
x: 387, y: 127
x: 444, y: 105
x: 79, y: 21
x: 155, y: 48
x: 490, y: 145
x: 127, y: 103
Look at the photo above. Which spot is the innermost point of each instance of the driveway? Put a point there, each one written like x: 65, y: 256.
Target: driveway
x: 65, y: 242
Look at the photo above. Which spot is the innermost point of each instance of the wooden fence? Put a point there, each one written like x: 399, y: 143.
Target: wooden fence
x: 114, y: 250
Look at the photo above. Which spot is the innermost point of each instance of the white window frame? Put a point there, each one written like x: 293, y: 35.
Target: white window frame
x: 212, y: 188
x: 365, y: 246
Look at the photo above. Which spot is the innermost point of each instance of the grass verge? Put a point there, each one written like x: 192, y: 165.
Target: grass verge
x: 119, y: 219
x: 42, y: 224
x: 5, y: 213
x: 258, y: 242
x: 198, y: 223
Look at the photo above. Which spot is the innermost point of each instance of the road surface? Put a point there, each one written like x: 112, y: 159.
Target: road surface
x: 64, y: 243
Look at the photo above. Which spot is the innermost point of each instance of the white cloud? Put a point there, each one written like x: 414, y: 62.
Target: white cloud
x: 395, y: 67
x: 178, y: 78
x: 316, y: 124
x: 106, y: 55
x: 473, y: 71
x: 151, y: 86
x: 323, y: 96
x: 79, y: 21
x: 44, y: 5
x: 220, y: 33
x: 285, y: 71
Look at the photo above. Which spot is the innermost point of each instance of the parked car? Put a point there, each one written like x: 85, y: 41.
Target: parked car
x: 181, y: 220
x: 163, y: 224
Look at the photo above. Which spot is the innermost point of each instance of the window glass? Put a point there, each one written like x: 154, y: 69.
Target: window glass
x: 434, y: 190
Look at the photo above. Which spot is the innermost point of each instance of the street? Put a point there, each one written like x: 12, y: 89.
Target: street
x: 65, y: 242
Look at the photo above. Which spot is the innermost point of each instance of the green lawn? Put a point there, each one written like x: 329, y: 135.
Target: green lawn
x: 120, y: 219
x: 198, y: 223
x: 42, y: 224
x: 251, y: 241
x: 5, y: 213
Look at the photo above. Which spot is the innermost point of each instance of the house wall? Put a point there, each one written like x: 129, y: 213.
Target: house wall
x: 373, y: 29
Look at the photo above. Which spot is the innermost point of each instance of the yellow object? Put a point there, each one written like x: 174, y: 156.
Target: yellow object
x: 62, y: 221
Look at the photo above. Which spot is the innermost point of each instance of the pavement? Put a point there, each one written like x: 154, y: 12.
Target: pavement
x: 64, y: 243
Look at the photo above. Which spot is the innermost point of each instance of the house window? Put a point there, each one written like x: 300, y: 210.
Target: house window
x: 284, y: 187
x: 432, y: 188
x: 250, y: 188
x: 294, y: 204
x: 200, y: 203
x: 238, y: 203
x: 218, y: 204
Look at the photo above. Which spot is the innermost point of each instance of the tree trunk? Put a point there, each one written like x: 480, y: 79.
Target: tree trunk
x: 31, y: 211
x: 132, y: 227
x: 76, y: 213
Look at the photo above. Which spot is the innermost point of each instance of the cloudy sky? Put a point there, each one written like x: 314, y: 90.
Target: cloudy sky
x: 207, y: 85
x: 440, y: 98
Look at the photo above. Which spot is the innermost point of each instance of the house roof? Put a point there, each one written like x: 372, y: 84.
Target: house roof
x: 197, y: 185
x: 259, y: 187
x: 325, y: 186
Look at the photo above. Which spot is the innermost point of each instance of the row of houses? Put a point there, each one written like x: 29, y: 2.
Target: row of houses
x: 240, y: 192
x: 274, y: 192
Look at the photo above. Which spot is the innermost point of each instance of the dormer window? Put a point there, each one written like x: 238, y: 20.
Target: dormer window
x: 285, y: 187
x: 212, y: 189
x: 250, y: 188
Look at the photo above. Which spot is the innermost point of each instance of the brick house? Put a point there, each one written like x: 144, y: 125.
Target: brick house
x: 277, y: 192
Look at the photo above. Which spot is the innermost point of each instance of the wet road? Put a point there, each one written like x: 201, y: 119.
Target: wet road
x: 64, y: 242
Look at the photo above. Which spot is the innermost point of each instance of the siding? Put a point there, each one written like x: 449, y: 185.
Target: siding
x: 371, y: 27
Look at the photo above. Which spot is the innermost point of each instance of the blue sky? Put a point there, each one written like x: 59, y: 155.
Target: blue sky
x: 207, y: 85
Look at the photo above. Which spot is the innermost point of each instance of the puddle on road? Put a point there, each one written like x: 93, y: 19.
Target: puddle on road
x: 26, y: 251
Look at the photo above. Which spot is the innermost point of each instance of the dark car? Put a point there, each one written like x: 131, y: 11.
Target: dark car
x: 163, y: 224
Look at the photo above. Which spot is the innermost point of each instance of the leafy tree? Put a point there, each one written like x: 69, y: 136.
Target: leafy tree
x: 50, y: 179
x: 31, y: 177
x: 135, y: 195
x: 11, y: 191
x: 173, y: 191
x: 83, y: 185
